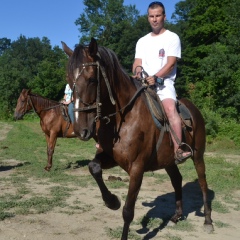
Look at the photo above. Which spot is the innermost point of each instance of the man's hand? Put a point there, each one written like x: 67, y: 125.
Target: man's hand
x: 150, y: 80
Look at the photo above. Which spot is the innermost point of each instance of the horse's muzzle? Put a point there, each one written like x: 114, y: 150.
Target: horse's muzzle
x: 84, y: 134
x: 18, y: 116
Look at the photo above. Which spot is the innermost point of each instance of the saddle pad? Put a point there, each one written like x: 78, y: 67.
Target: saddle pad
x: 157, y: 113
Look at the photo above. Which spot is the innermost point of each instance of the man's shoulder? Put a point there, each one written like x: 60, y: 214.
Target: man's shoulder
x: 145, y: 37
x: 172, y: 34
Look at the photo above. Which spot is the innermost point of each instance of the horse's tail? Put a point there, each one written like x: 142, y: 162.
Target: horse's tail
x: 196, y: 137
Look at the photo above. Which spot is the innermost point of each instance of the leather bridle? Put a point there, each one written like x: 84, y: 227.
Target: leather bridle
x: 97, y: 105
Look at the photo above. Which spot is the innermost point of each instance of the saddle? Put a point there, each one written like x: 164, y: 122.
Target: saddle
x: 64, y: 111
x: 157, y: 111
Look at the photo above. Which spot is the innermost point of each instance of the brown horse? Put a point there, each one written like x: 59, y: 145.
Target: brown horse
x: 114, y: 105
x: 54, y: 120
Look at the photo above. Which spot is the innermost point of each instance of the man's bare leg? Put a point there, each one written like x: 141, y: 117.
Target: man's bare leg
x: 175, y: 123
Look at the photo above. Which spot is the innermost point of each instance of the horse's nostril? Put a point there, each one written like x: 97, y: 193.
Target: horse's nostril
x: 84, y: 133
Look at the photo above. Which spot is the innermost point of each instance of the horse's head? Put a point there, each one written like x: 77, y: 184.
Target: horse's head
x: 97, y: 80
x: 82, y: 76
x: 22, y: 105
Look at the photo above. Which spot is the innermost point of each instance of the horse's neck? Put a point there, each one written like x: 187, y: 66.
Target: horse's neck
x: 39, y: 103
x: 125, y: 91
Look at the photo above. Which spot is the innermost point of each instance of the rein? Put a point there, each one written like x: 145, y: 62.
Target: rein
x: 98, y: 104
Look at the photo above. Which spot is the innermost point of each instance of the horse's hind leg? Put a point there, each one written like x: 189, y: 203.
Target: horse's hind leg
x: 200, y: 168
x: 176, y: 180
x: 111, y: 200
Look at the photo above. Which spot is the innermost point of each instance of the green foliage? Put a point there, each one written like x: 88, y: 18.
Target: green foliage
x: 5, y: 43
x: 30, y: 63
x: 231, y: 129
x: 118, y: 32
x: 212, y: 122
x: 209, y: 72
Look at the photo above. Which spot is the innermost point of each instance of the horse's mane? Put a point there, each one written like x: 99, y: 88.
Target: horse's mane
x: 107, y: 59
x: 43, y: 101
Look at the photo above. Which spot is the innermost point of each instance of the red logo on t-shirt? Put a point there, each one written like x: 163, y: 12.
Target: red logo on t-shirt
x: 161, y: 53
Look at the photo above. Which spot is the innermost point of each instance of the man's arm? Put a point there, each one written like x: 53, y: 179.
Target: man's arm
x: 166, y: 69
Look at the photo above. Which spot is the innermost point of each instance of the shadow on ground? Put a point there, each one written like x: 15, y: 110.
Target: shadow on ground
x: 163, y: 207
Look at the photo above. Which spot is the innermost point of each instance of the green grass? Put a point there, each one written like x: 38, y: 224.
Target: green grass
x: 184, y: 225
x: 117, y: 233
x: 26, y: 144
x: 171, y: 237
x: 221, y: 176
x: 221, y: 224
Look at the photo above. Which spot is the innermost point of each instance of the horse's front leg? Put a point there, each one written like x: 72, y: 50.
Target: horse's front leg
x: 110, y: 200
x: 135, y: 182
x: 176, y: 180
x: 51, y: 142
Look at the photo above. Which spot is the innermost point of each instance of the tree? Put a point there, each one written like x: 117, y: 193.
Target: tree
x: 115, y: 31
x: 50, y: 80
x: 208, y: 62
x: 30, y: 63
x: 5, y: 43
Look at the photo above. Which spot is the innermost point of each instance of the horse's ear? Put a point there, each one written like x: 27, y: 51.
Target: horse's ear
x: 66, y: 49
x: 93, y: 48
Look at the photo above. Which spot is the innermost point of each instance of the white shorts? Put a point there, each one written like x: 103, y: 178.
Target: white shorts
x: 167, y: 90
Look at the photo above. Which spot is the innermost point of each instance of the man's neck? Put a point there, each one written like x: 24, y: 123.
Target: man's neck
x: 154, y: 33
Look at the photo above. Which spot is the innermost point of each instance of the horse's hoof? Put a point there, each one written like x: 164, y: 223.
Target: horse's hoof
x: 113, y: 203
x: 47, y: 169
x: 171, y: 224
x: 208, y: 228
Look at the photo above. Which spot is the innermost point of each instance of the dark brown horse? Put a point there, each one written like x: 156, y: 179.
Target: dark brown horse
x: 53, y: 119
x: 114, y: 105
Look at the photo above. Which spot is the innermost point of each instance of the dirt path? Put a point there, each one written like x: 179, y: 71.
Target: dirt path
x: 92, y: 218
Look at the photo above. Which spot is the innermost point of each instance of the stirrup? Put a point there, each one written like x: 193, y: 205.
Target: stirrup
x: 179, y: 158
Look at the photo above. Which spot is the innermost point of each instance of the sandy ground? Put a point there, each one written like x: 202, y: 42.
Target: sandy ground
x: 154, y: 201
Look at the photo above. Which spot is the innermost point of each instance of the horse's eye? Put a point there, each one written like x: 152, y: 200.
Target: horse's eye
x: 92, y: 80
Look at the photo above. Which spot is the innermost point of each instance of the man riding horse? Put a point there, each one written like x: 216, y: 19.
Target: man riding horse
x: 157, y: 53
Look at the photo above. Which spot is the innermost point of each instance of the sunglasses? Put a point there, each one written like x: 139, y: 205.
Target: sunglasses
x: 156, y: 3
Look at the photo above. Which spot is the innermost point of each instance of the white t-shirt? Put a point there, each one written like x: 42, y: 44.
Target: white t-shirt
x: 68, y: 92
x: 154, y: 50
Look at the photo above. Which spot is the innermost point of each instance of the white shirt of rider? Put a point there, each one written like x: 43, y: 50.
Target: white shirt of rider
x: 154, y: 50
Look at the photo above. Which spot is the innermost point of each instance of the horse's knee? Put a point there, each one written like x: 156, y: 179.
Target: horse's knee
x: 50, y: 151
x: 95, y: 168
